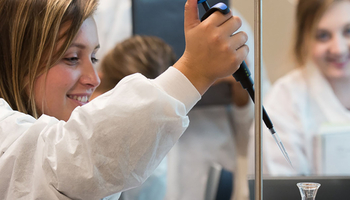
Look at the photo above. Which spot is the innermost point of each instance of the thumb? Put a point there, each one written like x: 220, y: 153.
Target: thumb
x: 191, y: 14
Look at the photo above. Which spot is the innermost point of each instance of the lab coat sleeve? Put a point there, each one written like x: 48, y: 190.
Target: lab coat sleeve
x: 153, y: 188
x: 107, y: 146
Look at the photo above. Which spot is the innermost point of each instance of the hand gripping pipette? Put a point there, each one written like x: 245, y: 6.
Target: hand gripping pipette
x: 243, y: 76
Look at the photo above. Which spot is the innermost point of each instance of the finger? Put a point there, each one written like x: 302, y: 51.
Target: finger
x: 238, y: 39
x: 191, y: 14
x: 231, y: 25
x: 241, y: 53
x: 217, y: 18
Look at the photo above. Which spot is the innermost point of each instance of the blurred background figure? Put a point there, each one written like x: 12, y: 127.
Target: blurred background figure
x: 149, y: 56
x: 314, y: 95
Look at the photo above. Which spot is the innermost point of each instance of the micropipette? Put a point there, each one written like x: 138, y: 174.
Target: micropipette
x: 242, y: 75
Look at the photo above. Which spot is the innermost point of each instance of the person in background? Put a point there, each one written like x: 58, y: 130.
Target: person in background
x: 150, y: 56
x: 55, y: 144
x: 316, y: 93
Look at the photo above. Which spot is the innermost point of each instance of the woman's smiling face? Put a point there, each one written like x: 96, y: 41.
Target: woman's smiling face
x: 73, y: 79
x: 331, y: 49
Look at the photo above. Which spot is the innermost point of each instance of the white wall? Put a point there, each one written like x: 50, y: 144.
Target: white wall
x: 278, y: 25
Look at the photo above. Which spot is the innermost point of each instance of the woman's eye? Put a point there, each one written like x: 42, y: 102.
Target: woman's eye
x: 347, y: 31
x: 94, y: 60
x: 322, y: 36
x: 72, y: 60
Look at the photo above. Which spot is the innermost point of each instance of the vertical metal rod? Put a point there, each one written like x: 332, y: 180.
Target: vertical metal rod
x: 258, y: 105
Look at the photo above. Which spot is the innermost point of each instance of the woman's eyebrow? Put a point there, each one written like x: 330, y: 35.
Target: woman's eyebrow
x: 82, y: 46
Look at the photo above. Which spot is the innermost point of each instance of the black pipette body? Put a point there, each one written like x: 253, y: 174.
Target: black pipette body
x: 242, y: 75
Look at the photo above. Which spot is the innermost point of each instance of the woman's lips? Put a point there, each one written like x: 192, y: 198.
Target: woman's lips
x: 341, y: 63
x: 80, y: 99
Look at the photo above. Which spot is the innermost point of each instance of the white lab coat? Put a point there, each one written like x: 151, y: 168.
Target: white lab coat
x: 299, y: 104
x: 107, y: 146
x: 153, y: 188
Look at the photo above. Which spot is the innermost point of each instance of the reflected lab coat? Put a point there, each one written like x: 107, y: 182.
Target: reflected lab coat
x: 299, y: 104
x: 108, y: 145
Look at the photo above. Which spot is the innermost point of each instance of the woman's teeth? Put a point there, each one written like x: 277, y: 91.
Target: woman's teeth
x: 83, y: 99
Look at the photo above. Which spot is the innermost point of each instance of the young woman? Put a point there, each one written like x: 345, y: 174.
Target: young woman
x: 56, y: 145
x: 315, y: 94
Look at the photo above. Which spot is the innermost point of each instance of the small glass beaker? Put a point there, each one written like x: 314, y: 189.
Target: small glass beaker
x: 308, y: 190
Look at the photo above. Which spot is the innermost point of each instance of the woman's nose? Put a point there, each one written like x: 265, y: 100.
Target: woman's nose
x: 90, y: 76
x: 339, y: 45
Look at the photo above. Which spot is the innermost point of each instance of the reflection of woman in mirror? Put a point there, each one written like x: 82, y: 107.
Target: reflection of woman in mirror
x: 314, y: 94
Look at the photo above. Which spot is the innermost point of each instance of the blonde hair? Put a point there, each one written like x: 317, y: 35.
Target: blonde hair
x: 148, y: 55
x: 29, y: 32
x: 309, y: 13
